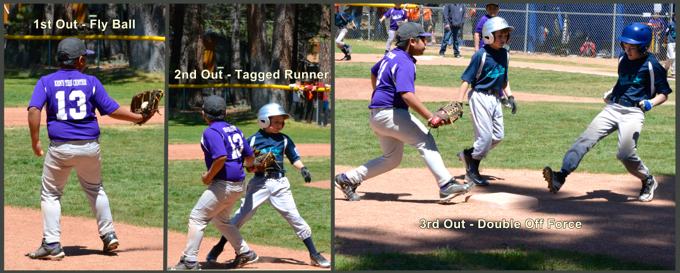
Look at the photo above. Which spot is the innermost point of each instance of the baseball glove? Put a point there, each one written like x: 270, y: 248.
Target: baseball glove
x: 447, y: 114
x: 146, y: 104
x: 262, y: 160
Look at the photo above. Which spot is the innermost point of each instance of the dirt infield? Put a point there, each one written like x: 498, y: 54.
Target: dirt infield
x: 19, y: 117
x: 140, y: 248
x: 193, y: 151
x: 388, y: 217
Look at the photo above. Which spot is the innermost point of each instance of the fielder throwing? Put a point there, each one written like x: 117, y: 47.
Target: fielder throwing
x: 642, y: 84
x: 394, y: 92
x: 71, y: 98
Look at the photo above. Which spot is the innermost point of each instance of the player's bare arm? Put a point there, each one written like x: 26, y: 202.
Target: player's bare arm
x: 659, y: 99
x: 506, y: 89
x: 250, y: 162
x: 462, y: 91
x: 298, y: 165
x: 413, y: 102
x: 34, y: 126
x: 216, y: 166
x: 121, y: 114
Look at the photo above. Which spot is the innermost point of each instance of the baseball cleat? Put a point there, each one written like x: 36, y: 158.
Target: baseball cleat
x: 453, y: 189
x: 244, y: 259
x: 475, y: 177
x: 347, y: 188
x: 467, y: 160
x: 554, y: 183
x: 185, y: 265
x: 110, y: 241
x: 647, y: 191
x: 214, y: 253
x: 347, y: 58
x: 349, y: 50
x: 46, y: 252
x: 318, y: 260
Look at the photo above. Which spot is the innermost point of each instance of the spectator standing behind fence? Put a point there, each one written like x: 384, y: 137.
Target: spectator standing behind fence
x: 454, y: 19
x: 395, y: 14
x: 657, y: 26
x: 670, y: 46
x: 413, y: 14
x: 491, y: 12
x: 428, y: 22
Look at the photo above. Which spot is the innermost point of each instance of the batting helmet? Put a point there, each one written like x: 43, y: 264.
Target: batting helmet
x: 269, y: 110
x: 637, y: 34
x: 494, y: 24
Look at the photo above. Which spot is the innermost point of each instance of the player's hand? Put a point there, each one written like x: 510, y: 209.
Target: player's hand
x: 448, y: 27
x: 306, y: 175
x: 511, y: 99
x: 646, y: 105
x: 205, y: 179
x: 37, y: 149
x: 607, y: 95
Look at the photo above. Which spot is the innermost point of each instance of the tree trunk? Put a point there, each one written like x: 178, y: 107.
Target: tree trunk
x: 192, y: 49
x: 258, y: 50
x: 325, y: 54
x: 282, y: 55
x: 112, y: 49
x: 149, y: 21
x: 238, y: 93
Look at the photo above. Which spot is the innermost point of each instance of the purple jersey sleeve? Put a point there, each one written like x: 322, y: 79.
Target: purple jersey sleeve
x: 105, y: 104
x: 213, y: 143
x: 39, y: 95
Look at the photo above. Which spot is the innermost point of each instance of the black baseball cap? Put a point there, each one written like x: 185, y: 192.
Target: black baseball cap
x: 497, y: 5
x: 71, y: 48
x: 410, y: 30
x: 214, y: 107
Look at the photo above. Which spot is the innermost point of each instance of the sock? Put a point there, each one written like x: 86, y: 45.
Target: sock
x: 344, y: 176
x: 474, y: 166
x: 310, y: 245
x: 468, y: 152
x: 221, y: 243
x: 190, y: 263
x: 52, y: 244
x: 344, y: 50
x: 347, y: 46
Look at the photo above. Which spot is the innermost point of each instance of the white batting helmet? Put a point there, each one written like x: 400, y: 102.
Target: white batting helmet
x: 269, y: 110
x: 494, y: 24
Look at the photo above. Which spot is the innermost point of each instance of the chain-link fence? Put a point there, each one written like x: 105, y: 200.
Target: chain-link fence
x: 588, y: 30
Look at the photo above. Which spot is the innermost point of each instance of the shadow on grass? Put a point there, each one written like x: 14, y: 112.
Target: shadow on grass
x: 111, y: 76
x: 515, y: 259
x: 196, y: 119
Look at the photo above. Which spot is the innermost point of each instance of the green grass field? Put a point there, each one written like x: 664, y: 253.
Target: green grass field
x: 267, y: 227
x: 188, y: 128
x: 521, y: 80
x: 121, y: 84
x: 132, y: 173
x: 510, y: 259
x: 537, y: 136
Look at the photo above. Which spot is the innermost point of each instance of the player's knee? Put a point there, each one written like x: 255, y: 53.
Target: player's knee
x: 625, y: 155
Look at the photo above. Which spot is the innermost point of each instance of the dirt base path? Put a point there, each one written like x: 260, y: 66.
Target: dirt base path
x: 360, y: 89
x: 388, y: 217
x: 19, y: 117
x: 140, y: 249
x: 194, y: 151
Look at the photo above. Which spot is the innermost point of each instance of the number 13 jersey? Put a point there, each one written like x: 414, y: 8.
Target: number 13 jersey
x: 224, y: 139
x: 71, y: 98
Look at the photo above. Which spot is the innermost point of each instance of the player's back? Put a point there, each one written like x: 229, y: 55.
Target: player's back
x: 70, y: 98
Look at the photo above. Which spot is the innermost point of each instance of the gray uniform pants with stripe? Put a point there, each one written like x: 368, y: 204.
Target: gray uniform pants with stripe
x: 487, y: 122
x: 390, y: 38
x: 61, y: 158
x: 628, y: 121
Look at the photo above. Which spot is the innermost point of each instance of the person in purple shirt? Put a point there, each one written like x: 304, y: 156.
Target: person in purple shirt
x: 393, y: 80
x: 225, y: 151
x: 396, y: 15
x: 491, y: 12
x: 70, y: 98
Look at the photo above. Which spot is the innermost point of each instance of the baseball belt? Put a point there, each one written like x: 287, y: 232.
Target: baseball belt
x: 270, y: 174
x: 623, y: 102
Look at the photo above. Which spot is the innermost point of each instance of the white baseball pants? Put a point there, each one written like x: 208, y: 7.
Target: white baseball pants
x: 394, y: 127
x: 487, y: 122
x: 216, y: 204
x: 277, y: 192
x: 341, y: 36
x: 670, y: 50
x: 628, y: 120
x: 390, y: 38
x: 61, y: 158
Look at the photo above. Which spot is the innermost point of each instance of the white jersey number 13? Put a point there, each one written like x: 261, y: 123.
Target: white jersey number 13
x: 76, y: 95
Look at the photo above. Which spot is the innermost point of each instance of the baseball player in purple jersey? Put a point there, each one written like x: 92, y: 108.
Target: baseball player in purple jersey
x: 70, y: 99
x: 225, y: 151
x: 642, y: 84
x: 272, y: 184
x: 393, y: 80
x: 396, y: 15
x: 487, y: 74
